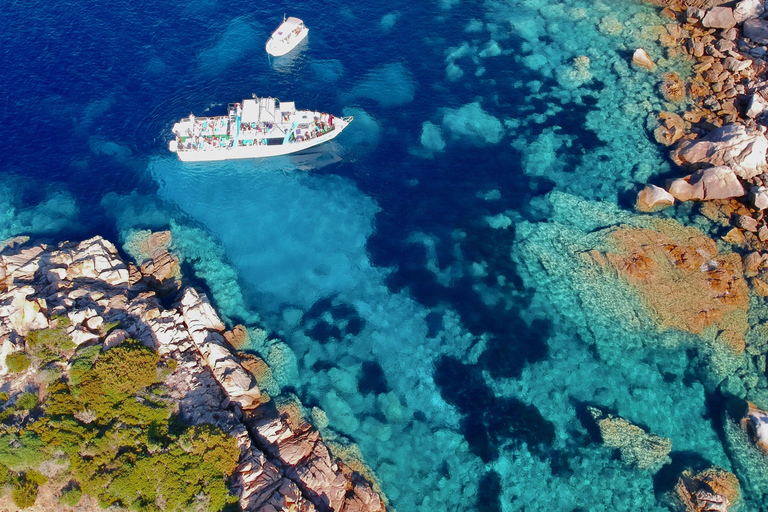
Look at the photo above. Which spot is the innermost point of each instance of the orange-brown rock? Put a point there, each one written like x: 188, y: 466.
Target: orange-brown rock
x: 733, y: 340
x: 258, y: 368
x: 760, y: 287
x: 237, y: 337
x: 671, y: 128
x: 711, y: 489
x: 672, y: 87
x: 682, y: 279
x: 752, y: 263
x: 734, y: 236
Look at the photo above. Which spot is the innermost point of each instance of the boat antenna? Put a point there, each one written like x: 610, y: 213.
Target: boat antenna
x: 283, y: 17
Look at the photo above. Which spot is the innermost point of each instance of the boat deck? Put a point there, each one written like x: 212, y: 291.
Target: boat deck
x: 254, y: 122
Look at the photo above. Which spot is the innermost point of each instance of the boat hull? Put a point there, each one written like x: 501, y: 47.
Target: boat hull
x: 276, y: 49
x: 259, y: 151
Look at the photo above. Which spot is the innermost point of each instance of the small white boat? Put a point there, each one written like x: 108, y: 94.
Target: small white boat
x: 254, y: 128
x: 289, y: 34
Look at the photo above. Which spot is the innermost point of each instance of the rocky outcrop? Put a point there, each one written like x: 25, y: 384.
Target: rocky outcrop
x: 742, y: 149
x: 281, y: 467
x: 683, y: 280
x: 636, y: 446
x: 711, y: 490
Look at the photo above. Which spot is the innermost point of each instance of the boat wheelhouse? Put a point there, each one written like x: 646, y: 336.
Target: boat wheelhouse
x: 254, y: 128
x: 289, y: 34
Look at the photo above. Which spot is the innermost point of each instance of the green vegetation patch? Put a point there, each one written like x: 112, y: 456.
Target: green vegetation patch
x: 114, y: 422
x: 71, y: 494
x: 47, y: 345
x: 27, y: 401
x: 17, y: 362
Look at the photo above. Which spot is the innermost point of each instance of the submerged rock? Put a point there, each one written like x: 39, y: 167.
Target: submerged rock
x: 681, y: 276
x: 637, y: 447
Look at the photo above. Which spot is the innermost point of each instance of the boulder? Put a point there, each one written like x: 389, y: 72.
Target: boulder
x: 719, y: 17
x: 719, y: 183
x: 642, y: 59
x: 735, y: 145
x: 758, y: 197
x: 730, y: 35
x: 748, y: 9
x: 20, y: 314
x: 755, y: 423
x: 762, y: 233
x: 735, y: 65
x: 653, y: 198
x: 746, y: 223
x: 752, y: 263
x: 757, y: 106
x: 682, y: 190
x: 671, y: 128
x: 756, y: 29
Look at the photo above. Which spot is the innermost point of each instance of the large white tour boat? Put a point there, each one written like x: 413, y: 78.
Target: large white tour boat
x: 255, y: 128
x: 289, y: 34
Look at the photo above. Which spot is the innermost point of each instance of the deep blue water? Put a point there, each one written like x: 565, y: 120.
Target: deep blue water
x: 422, y: 301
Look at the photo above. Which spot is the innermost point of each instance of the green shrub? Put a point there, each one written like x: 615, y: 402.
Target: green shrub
x: 19, y: 452
x: 35, y: 477
x: 27, y: 401
x: 24, y: 493
x: 71, y: 494
x: 4, y: 397
x: 127, y: 368
x: 214, y: 446
x: 54, y: 339
x: 5, y: 476
x: 17, y: 362
x: 81, y: 362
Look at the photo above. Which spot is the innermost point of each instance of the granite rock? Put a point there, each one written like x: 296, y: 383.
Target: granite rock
x: 741, y: 148
x: 653, y: 198
x: 719, y: 17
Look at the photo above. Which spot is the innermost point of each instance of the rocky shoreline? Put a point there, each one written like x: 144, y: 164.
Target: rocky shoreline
x: 284, y: 464
x: 720, y: 141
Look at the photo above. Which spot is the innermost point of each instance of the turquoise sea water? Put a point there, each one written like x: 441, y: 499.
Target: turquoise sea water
x: 413, y: 282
